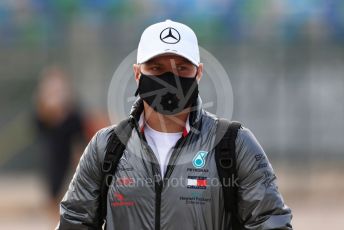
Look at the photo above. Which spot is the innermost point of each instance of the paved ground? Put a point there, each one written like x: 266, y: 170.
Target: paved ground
x: 316, y: 199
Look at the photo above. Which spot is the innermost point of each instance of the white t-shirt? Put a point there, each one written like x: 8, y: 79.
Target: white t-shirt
x: 161, y: 143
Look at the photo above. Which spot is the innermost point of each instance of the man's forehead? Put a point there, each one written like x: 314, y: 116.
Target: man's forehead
x: 168, y: 57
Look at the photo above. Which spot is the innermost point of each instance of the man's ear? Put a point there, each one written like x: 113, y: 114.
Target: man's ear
x: 136, y: 69
x: 199, y: 72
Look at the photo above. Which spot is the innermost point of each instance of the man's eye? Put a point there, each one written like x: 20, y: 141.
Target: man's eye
x: 155, y: 68
x: 182, y: 68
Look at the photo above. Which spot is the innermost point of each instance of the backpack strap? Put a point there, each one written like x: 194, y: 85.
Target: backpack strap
x: 225, y: 158
x: 116, y: 144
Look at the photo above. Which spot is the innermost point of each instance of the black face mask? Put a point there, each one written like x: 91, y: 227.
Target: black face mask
x: 166, y: 93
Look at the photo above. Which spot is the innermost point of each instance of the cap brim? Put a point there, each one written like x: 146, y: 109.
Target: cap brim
x: 163, y: 52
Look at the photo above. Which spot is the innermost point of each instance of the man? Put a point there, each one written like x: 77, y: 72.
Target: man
x: 172, y: 138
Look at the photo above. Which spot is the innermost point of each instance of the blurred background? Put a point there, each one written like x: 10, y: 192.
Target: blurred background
x: 285, y: 59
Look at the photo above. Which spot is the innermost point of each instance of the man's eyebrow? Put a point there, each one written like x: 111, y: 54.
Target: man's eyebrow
x: 152, y: 62
x: 183, y: 61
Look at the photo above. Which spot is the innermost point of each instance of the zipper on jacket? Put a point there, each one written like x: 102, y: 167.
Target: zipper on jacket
x: 174, y: 156
x: 158, y: 190
x: 158, y: 183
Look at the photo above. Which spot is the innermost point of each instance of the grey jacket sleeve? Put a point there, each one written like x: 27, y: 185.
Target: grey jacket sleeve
x: 79, y: 208
x: 260, y: 204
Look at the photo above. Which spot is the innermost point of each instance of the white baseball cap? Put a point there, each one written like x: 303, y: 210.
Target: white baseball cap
x: 168, y: 37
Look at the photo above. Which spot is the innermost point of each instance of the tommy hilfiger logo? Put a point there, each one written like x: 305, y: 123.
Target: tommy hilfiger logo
x: 121, y: 201
x: 197, y: 182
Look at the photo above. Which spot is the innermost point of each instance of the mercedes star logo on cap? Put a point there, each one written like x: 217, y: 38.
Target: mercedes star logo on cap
x: 170, y: 35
